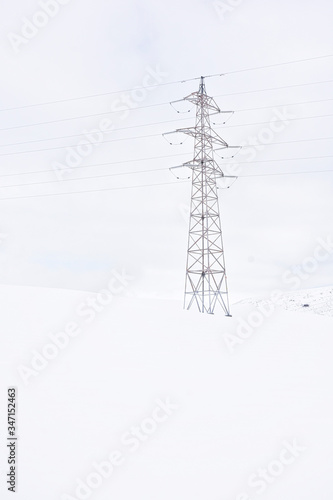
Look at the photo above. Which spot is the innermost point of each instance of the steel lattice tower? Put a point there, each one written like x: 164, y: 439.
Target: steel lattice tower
x: 206, y: 281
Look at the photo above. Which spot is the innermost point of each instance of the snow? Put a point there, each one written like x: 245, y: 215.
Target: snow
x: 236, y: 410
x: 316, y: 300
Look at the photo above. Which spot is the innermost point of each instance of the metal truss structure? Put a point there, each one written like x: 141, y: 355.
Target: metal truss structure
x: 206, y: 280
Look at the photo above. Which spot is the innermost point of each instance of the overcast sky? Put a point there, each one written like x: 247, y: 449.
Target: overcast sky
x: 270, y: 224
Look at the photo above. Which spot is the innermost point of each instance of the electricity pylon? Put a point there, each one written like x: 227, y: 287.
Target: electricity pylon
x: 206, y: 280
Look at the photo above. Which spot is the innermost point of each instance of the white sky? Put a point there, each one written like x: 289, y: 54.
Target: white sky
x: 270, y: 223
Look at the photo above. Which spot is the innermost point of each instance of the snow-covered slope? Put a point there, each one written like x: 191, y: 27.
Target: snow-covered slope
x: 316, y: 300
x: 229, y: 414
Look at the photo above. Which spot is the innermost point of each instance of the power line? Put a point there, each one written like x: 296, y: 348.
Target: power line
x: 287, y: 173
x: 152, y: 135
x: 162, y: 157
x: 104, y: 94
x: 153, y: 185
x: 144, y: 87
x: 83, y: 116
x: 82, y: 134
x: 96, y: 165
x: 289, y: 142
x: 284, y: 104
x: 134, y: 172
x: 159, y: 123
x: 91, y: 190
x: 150, y: 106
x: 285, y: 159
x: 275, y: 121
x: 76, y: 145
x: 275, y: 88
x: 87, y: 178
x: 278, y: 64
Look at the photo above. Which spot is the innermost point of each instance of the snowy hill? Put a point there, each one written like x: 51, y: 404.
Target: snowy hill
x: 316, y: 300
x: 153, y: 390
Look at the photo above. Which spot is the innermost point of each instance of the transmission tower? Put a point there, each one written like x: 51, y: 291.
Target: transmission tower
x: 206, y: 280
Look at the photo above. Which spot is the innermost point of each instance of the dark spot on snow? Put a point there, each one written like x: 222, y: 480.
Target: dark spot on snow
x: 306, y: 305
